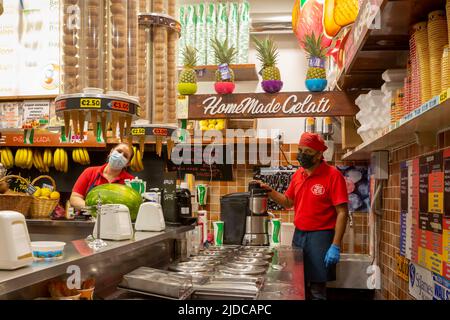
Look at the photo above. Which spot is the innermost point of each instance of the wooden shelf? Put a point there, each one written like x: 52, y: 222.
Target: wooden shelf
x: 369, y: 52
x: 242, y: 72
x: 21, y: 98
x: 420, y: 125
x: 43, y: 138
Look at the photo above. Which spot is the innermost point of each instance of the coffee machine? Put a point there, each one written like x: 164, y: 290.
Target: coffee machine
x: 257, y: 218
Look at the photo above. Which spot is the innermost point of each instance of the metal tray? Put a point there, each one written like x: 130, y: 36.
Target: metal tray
x: 206, y: 259
x: 251, y: 261
x: 213, y: 253
x: 259, y: 255
x: 258, y: 249
x: 159, y: 283
x: 234, y: 268
x: 191, y: 266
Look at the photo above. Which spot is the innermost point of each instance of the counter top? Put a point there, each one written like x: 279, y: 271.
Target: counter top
x: 60, y: 223
x: 78, y: 252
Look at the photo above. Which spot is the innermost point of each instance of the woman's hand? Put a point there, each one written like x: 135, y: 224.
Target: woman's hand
x: 77, y: 200
x: 265, y: 186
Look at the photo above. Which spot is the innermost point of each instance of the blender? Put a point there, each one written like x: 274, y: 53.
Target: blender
x: 257, y: 219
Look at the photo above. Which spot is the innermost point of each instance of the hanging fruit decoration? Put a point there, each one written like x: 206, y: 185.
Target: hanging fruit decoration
x: 307, y: 16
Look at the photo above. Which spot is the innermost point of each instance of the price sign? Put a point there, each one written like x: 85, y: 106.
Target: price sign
x: 120, y: 106
x: 443, y: 97
x: 137, y: 131
x: 90, y: 103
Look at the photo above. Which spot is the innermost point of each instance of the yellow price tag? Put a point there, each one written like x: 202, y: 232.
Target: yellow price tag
x: 443, y: 96
x: 90, y: 103
x: 137, y: 131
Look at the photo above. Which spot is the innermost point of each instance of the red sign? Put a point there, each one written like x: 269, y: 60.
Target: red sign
x: 120, y: 106
x: 160, y: 132
x: 60, y: 105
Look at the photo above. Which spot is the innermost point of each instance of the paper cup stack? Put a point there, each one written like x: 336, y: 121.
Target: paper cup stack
x: 445, y: 76
x: 437, y: 40
x: 414, y: 91
x: 423, y: 60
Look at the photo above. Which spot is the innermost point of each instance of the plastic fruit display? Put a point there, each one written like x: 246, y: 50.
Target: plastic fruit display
x: 267, y: 53
x: 307, y: 16
x: 224, y: 75
x: 316, y: 75
x: 338, y: 14
x: 212, y: 124
x: 188, y: 78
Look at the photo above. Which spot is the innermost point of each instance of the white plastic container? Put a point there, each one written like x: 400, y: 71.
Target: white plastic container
x: 48, y: 250
x: 15, y: 249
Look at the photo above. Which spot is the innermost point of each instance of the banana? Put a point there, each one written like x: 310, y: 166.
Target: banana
x: 56, y: 159
x: 37, y: 154
x: 66, y: 162
x: 17, y: 158
x: 29, y: 158
x: 3, y: 158
x: 133, y: 160
x: 86, y: 156
x: 81, y: 156
x: 45, y: 159
x: 10, y: 157
x: 49, y: 158
x: 139, y: 161
x: 74, y: 155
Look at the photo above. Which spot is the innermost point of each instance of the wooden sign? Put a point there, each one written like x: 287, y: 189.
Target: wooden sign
x: 264, y: 105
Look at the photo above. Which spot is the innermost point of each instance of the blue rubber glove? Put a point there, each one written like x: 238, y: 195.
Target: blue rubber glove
x: 332, y: 256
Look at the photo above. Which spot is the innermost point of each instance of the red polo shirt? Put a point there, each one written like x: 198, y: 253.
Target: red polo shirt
x: 93, y: 176
x: 316, y: 196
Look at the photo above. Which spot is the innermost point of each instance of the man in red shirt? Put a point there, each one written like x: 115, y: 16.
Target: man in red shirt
x: 319, y: 196
x: 114, y: 171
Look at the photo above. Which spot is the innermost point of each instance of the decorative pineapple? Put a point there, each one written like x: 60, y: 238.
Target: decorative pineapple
x: 188, y: 78
x: 316, y: 75
x: 268, y: 56
x: 224, y: 74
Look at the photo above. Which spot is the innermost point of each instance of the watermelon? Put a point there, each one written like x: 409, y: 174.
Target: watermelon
x: 113, y: 193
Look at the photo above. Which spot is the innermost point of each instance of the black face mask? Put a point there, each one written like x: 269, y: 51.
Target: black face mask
x: 305, y: 160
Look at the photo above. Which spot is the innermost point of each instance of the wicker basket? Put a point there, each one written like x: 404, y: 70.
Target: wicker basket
x: 42, y: 208
x: 19, y: 202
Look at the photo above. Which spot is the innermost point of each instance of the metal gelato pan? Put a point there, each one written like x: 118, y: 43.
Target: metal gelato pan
x: 251, y: 261
x: 191, y: 266
x: 159, y: 283
x: 259, y: 255
x: 235, y: 268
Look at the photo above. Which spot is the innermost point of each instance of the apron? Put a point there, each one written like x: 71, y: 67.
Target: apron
x: 315, y: 245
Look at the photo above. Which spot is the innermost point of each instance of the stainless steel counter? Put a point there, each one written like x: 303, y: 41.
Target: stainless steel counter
x: 285, y: 279
x: 118, y: 258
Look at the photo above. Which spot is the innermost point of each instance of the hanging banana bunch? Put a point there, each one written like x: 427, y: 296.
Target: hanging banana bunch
x: 48, y: 158
x: 24, y: 158
x: 136, y: 162
x: 7, y: 158
x: 61, y: 160
x: 38, y: 161
x: 81, y: 156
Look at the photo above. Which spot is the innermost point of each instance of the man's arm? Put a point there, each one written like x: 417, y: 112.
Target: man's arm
x: 341, y: 223
x: 278, y: 197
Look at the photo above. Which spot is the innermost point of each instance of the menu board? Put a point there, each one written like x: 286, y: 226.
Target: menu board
x: 29, y: 48
x: 204, y: 162
x: 425, y: 220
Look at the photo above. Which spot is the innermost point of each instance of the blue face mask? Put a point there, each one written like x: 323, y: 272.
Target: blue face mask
x: 117, y: 161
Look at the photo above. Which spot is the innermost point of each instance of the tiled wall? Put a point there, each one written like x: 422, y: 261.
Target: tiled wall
x: 393, y: 287
x: 355, y: 239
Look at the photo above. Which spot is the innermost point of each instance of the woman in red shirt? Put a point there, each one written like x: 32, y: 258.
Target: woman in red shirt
x: 114, y: 171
